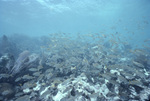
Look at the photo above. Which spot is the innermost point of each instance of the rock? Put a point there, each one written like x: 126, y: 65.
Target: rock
x: 6, y: 90
x: 19, y: 64
x: 27, y: 90
x: 33, y: 60
x: 7, y: 46
x: 6, y: 63
x: 24, y: 62
x: 79, y: 88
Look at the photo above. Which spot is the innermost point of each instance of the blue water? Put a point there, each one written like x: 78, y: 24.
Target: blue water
x: 128, y: 18
x: 47, y: 43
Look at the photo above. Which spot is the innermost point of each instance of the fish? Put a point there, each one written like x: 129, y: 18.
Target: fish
x: 138, y: 64
x: 28, y: 77
x: 140, y: 74
x: 18, y: 79
x: 73, y: 67
x: 37, y: 73
x: 122, y: 79
x: 33, y: 69
x: 136, y: 82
